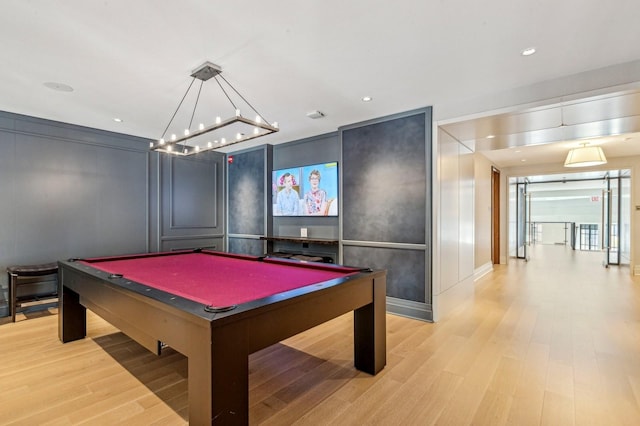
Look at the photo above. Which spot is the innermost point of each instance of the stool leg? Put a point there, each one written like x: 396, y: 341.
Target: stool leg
x: 12, y: 295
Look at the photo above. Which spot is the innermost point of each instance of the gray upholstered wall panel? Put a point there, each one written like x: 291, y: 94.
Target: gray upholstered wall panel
x: 246, y: 246
x: 405, y: 269
x: 247, y: 193
x: 384, y: 181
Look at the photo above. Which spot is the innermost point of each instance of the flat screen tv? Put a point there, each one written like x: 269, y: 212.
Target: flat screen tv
x: 306, y: 191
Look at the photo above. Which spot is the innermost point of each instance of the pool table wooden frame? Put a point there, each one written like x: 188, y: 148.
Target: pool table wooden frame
x: 218, y: 345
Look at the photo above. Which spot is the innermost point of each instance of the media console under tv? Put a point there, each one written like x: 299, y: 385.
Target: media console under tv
x: 308, y: 255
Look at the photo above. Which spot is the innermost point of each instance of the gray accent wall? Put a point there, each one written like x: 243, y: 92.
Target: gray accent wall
x: 405, y: 281
x: 319, y: 149
x: 249, y: 195
x: 70, y: 191
x: 384, y: 181
x: 315, y: 150
x: 191, y: 204
x: 386, y: 205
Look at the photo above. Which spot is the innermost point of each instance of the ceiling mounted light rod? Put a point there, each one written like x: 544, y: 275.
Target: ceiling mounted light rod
x: 223, y: 132
x: 585, y: 156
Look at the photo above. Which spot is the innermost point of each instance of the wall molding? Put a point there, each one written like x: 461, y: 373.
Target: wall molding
x: 410, y: 309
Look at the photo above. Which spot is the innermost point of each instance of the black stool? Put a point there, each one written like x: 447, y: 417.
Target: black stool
x: 29, y: 283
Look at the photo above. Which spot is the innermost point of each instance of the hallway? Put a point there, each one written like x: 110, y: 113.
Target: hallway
x: 552, y: 341
x: 568, y: 333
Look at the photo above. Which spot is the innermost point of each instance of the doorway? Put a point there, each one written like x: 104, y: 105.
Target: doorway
x: 495, y: 216
x: 589, y: 211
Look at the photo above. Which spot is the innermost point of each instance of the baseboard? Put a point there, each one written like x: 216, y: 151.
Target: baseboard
x: 410, y: 309
x: 482, y: 271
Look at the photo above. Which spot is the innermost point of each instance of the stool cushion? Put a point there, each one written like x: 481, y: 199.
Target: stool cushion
x: 33, y: 270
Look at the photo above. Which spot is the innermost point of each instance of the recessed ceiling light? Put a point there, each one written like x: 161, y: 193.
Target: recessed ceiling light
x: 367, y: 99
x: 117, y: 120
x: 528, y: 51
x: 491, y: 136
x: 60, y: 87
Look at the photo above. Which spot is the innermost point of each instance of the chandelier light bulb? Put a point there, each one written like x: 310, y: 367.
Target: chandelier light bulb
x: 197, y: 148
x: 201, y: 126
x: 173, y: 136
x: 161, y: 141
x: 209, y: 144
x: 275, y: 124
x: 223, y: 141
x: 170, y: 148
x: 258, y: 119
x: 237, y: 112
x: 238, y: 136
x: 150, y: 144
x: 186, y: 132
x: 218, y: 120
x: 256, y: 130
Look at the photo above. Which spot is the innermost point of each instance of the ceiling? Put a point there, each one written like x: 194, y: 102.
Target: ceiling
x: 132, y: 59
x: 544, y: 135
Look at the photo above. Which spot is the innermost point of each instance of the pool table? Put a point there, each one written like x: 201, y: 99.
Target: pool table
x: 217, y: 308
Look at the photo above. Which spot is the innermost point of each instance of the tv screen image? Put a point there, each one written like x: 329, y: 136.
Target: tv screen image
x: 306, y: 191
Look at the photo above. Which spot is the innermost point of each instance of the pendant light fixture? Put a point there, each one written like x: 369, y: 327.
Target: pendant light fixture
x: 585, y: 156
x: 195, y: 138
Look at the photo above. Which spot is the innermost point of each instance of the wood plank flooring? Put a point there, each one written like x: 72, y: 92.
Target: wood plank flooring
x: 552, y: 341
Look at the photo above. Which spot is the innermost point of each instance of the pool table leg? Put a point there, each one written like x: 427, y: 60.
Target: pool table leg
x: 219, y: 378
x: 370, y: 331
x: 72, y: 316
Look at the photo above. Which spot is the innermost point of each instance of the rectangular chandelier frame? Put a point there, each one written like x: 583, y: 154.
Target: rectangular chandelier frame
x: 236, y: 129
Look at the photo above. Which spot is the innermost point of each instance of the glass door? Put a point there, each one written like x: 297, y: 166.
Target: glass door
x: 611, y: 220
x: 523, y: 219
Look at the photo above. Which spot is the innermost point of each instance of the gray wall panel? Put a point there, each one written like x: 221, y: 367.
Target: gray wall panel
x: 118, y: 201
x: 191, y: 242
x: 193, y: 194
x: 247, y: 193
x: 246, y: 246
x: 75, y: 192
x: 74, y: 200
x: 405, y: 269
x: 384, y: 181
x: 386, y: 215
x: 8, y: 212
x: 320, y: 149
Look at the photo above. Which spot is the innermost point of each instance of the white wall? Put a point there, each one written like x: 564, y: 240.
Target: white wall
x: 482, y: 197
x: 453, y: 274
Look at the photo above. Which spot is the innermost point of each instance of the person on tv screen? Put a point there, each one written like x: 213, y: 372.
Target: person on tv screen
x: 288, y: 199
x: 315, y: 200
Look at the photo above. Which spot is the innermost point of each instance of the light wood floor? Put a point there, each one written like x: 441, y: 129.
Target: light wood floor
x: 555, y: 341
